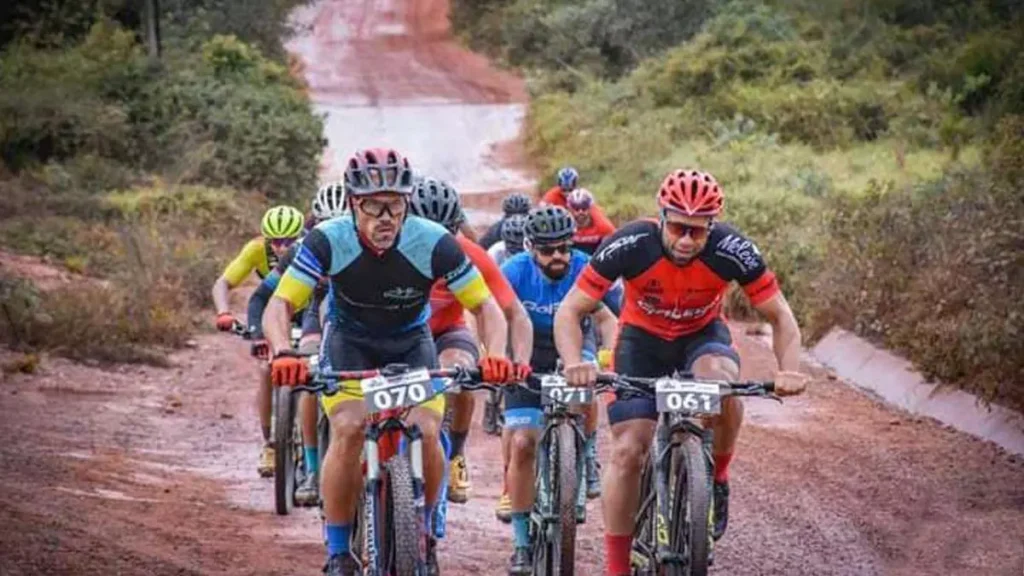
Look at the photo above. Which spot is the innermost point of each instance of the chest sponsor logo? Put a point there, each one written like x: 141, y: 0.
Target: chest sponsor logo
x: 403, y: 293
x: 655, y: 307
x: 740, y: 250
x: 618, y: 245
x: 548, y: 309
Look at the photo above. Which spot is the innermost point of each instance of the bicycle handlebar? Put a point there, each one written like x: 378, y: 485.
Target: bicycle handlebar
x: 646, y: 385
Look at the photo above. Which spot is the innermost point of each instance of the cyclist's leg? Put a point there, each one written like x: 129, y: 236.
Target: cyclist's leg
x: 308, y: 492
x: 633, y: 420
x: 710, y: 354
x: 458, y: 347
x: 420, y: 351
x: 264, y: 406
x: 523, y: 422
x: 341, y: 477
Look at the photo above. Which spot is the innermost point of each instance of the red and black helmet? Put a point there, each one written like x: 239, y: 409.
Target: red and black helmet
x: 376, y: 170
x: 691, y: 192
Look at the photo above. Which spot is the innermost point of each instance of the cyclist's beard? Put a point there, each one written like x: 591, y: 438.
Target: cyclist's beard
x: 556, y: 269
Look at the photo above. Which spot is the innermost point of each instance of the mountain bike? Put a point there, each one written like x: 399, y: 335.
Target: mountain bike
x: 561, y: 494
x: 289, y: 464
x: 493, y: 420
x: 389, y: 539
x: 672, y: 536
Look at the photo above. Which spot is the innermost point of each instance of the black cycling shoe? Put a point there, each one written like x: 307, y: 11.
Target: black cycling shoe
x: 432, y: 567
x: 721, y: 490
x: 342, y: 565
x: 522, y: 562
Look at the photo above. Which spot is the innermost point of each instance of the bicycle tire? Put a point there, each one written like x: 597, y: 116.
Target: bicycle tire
x: 286, y: 456
x: 565, y: 490
x: 403, y: 534
x: 689, y: 525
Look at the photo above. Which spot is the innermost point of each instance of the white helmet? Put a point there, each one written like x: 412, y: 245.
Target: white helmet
x: 329, y: 201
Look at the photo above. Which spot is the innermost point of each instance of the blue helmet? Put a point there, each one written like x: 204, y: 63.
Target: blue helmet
x: 568, y: 177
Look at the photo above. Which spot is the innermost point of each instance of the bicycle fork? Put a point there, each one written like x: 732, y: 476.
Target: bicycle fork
x: 662, y: 493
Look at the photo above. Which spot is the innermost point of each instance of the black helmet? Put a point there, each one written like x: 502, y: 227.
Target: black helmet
x: 513, y: 231
x: 549, y: 224
x: 436, y: 200
x: 515, y: 204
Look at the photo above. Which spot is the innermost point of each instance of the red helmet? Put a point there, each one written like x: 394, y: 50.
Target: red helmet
x: 377, y: 170
x: 691, y: 192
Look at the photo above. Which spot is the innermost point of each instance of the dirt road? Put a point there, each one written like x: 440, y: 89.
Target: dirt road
x: 152, y: 471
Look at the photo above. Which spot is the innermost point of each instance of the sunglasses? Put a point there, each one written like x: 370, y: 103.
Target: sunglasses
x: 680, y: 229
x: 550, y: 250
x: 282, y: 242
x: 377, y: 208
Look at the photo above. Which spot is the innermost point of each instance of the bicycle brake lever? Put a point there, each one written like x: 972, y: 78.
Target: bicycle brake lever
x: 775, y: 397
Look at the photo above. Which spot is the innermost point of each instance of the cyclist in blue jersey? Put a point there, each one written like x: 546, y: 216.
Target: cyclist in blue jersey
x: 381, y: 263
x: 541, y: 276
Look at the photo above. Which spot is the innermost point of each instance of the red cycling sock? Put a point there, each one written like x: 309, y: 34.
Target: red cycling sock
x: 722, y: 467
x: 616, y: 551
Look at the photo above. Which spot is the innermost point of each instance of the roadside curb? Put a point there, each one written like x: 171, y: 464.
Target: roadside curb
x: 894, y: 380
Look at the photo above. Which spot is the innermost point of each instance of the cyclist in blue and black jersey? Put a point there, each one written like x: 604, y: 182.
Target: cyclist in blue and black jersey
x: 381, y: 263
x: 541, y: 276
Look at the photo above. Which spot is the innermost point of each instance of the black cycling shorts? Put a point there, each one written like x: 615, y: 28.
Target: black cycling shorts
x: 458, y: 337
x: 642, y: 354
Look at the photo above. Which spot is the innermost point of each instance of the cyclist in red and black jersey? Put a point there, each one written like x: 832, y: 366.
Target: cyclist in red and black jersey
x: 676, y: 271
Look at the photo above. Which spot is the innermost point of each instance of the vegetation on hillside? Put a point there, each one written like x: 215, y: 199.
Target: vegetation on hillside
x: 146, y: 175
x: 871, y: 147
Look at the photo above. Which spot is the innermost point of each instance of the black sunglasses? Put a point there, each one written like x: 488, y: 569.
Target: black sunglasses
x: 550, y: 250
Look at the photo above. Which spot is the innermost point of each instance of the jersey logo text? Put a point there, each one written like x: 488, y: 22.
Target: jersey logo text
x: 743, y: 252
x: 618, y: 244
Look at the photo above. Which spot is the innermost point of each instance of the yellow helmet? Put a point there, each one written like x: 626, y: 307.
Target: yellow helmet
x: 282, y: 222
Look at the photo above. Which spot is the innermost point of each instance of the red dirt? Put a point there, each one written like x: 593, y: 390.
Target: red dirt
x: 139, y: 470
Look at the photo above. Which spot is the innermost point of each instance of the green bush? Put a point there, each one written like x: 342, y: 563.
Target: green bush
x: 226, y: 117
x: 935, y: 272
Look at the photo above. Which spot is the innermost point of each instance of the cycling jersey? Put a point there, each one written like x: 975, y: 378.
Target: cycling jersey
x: 261, y: 297
x: 256, y: 256
x: 493, y: 234
x: 445, y: 309
x: 668, y: 300
x: 541, y: 296
x: 384, y: 293
x: 588, y: 239
x: 499, y: 253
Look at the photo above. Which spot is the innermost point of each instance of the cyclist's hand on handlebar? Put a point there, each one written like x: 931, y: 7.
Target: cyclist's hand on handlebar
x: 495, y: 370
x: 288, y: 371
x: 520, y: 372
x: 582, y: 374
x: 788, y: 383
x: 260, y: 349
x: 224, y: 322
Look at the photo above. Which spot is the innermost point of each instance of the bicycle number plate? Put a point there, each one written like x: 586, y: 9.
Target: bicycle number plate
x: 555, y: 390
x: 389, y: 392
x: 687, y: 398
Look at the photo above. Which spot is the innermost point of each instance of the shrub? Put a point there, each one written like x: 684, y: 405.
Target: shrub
x: 935, y: 272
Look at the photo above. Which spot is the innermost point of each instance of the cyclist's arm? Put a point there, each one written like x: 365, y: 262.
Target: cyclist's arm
x: 258, y: 304
x: 468, y: 231
x: 235, y: 273
x: 521, y: 329
x: 311, y: 262
x: 568, y: 334
x: 608, y: 324
x: 450, y: 263
x: 785, y: 331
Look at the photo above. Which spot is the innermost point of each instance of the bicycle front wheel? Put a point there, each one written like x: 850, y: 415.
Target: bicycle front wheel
x: 564, y: 548
x: 287, y: 450
x: 691, y: 510
x: 404, y: 536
